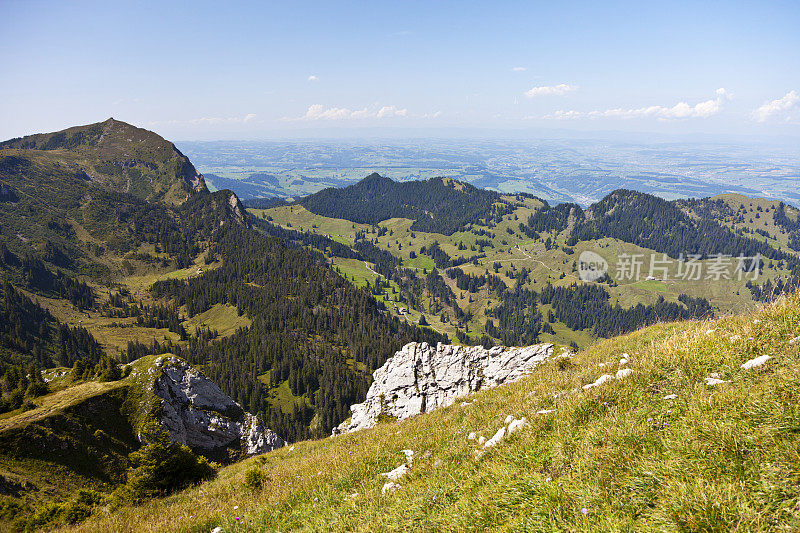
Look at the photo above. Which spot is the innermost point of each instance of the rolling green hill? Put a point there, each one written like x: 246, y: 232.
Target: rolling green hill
x: 491, y: 273
x: 113, y: 251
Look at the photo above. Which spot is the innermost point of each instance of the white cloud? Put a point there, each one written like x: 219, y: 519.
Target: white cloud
x: 519, y: 69
x: 777, y: 107
x: 391, y: 111
x: 248, y: 117
x: 320, y: 112
x: 313, y: 78
x: 550, y: 90
x: 681, y: 110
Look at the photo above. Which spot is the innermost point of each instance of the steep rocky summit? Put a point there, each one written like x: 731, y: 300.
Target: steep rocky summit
x: 195, y: 411
x: 420, y: 378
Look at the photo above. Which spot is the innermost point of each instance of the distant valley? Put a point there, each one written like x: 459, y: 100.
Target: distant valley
x: 557, y: 170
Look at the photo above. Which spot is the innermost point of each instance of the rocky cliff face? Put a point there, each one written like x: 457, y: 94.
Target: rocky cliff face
x: 420, y: 378
x: 195, y: 411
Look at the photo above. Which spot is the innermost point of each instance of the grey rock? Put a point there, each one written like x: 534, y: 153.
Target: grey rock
x: 756, y: 362
x: 195, y: 412
x: 420, y: 378
x: 389, y: 486
x: 599, y: 381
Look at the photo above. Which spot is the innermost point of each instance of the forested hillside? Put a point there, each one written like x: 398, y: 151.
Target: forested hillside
x: 657, y: 224
x: 311, y: 329
x: 113, y: 230
x: 436, y: 205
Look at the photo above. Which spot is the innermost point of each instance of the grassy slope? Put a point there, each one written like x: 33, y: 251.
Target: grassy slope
x: 222, y: 317
x: 719, y: 458
x: 78, y: 436
x: 54, y: 447
x: 765, y: 220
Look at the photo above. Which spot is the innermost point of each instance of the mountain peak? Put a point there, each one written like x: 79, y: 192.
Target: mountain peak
x: 376, y: 178
x: 440, y: 205
x: 120, y: 157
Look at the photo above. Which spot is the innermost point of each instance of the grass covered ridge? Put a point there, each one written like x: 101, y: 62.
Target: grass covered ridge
x: 618, y: 457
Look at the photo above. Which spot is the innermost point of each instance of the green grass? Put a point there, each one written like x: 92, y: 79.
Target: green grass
x: 56, y: 402
x: 224, y: 318
x: 765, y: 221
x: 112, y: 333
x: 724, y: 458
x: 283, y: 397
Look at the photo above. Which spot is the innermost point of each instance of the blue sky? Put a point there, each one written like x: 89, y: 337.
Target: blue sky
x: 221, y: 70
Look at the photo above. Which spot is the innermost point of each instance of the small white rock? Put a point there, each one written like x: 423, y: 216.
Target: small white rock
x: 601, y: 365
x: 481, y: 439
x: 471, y: 436
x: 710, y: 331
x: 713, y: 382
x: 516, y: 425
x: 623, y: 373
x: 758, y: 361
x: 217, y: 529
x: 794, y: 340
x: 509, y: 418
x: 496, y: 438
x: 735, y: 338
x: 715, y: 375
x: 671, y: 397
x: 756, y: 321
x: 623, y: 362
x: 599, y: 381
x: 389, y: 486
x: 545, y: 411
x: 397, y: 473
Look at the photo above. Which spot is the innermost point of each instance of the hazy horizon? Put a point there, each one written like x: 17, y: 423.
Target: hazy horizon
x: 273, y: 70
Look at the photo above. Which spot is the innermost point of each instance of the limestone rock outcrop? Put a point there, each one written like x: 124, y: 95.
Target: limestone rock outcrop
x: 420, y: 378
x: 195, y: 411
